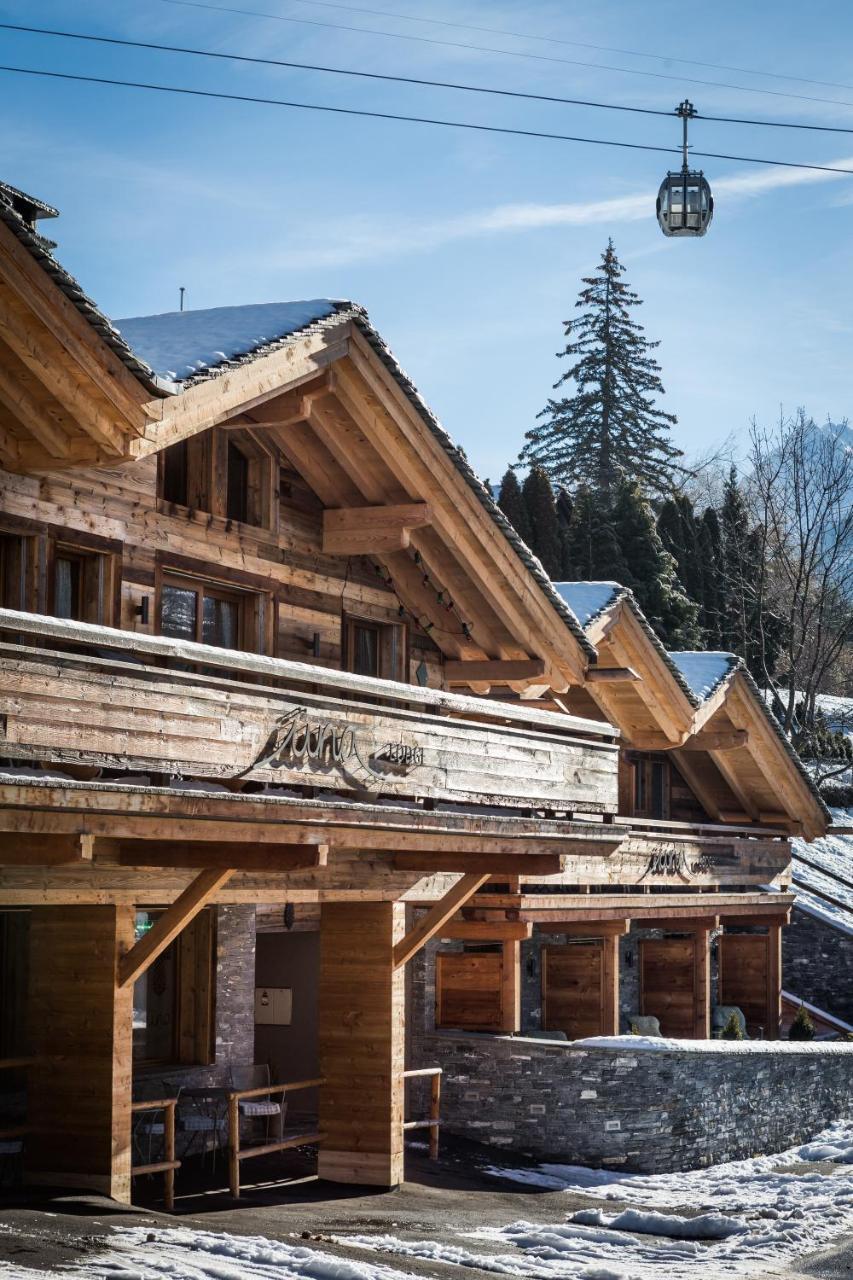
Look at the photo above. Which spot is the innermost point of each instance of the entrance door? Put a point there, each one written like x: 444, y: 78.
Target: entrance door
x: 667, y: 984
x: 573, y: 990
x: 744, y: 978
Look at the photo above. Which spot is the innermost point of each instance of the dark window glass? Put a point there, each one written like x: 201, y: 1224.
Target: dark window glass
x: 155, y: 1002
x: 639, y: 787
x: 237, y: 497
x: 220, y: 619
x: 658, y: 790
x: 365, y: 650
x: 13, y: 572
x: 179, y: 612
x: 66, y: 588
x: 175, y: 473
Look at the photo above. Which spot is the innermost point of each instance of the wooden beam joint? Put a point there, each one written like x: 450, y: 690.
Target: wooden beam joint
x: 355, y: 531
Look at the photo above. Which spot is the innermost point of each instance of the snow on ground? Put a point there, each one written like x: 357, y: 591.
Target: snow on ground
x: 743, y: 1218
x: 179, y: 344
x: 727, y: 1221
x: 831, y: 874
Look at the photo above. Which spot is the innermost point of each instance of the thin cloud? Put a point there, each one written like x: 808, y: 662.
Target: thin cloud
x: 370, y: 242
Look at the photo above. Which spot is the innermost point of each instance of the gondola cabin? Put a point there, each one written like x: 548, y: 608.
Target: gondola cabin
x: 685, y: 205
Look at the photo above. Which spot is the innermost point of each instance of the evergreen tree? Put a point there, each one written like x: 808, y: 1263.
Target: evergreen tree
x: 802, y: 1028
x: 651, y: 570
x: 740, y: 620
x: 511, y: 503
x: 594, y: 551
x: 541, y: 511
x: 679, y: 534
x: 565, y: 512
x: 611, y: 424
x: 711, y: 555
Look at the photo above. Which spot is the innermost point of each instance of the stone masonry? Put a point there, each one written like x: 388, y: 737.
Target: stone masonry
x: 817, y: 964
x: 646, y: 1111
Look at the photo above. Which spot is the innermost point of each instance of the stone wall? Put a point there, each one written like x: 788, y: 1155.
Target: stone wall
x: 644, y: 1110
x: 817, y: 964
x: 235, y: 985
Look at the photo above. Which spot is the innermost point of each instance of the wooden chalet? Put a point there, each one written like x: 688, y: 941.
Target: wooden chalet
x: 266, y: 643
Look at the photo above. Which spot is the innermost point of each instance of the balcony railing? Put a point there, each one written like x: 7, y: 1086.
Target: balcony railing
x: 125, y: 702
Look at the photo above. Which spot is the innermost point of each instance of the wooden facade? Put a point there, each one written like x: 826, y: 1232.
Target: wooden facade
x: 265, y: 639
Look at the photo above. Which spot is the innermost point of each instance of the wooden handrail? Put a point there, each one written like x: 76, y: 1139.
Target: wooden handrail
x: 169, y: 1164
x: 236, y: 1153
x: 434, y: 1121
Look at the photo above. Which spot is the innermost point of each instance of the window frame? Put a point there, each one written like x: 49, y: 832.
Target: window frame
x: 391, y: 636
x: 29, y: 575
x: 193, y: 995
x: 207, y: 477
x: 99, y: 580
x: 255, y: 609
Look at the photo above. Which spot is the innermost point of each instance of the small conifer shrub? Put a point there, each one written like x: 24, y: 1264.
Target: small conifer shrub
x: 802, y: 1028
x: 732, y: 1030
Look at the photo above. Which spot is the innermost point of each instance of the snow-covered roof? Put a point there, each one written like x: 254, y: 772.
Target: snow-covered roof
x: 179, y: 345
x: 703, y: 671
x: 588, y: 600
x: 823, y: 875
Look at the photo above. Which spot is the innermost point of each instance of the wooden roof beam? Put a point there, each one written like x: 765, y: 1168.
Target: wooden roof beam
x: 241, y: 857
x: 528, y: 671
x: 717, y: 741
x: 611, y: 675
x: 437, y: 917
x: 184, y: 909
x: 486, y: 931
x: 498, y: 866
x: 364, y: 531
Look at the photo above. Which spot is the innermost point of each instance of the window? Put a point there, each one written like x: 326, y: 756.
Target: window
x: 82, y: 584
x: 237, y: 486
x: 374, y: 648
x: 16, y: 572
x: 651, y: 787
x: 227, y: 472
x: 174, y: 473
x: 173, y: 1000
x: 210, y: 614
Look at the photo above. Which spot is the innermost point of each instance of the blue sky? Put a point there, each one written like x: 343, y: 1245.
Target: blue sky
x: 467, y: 249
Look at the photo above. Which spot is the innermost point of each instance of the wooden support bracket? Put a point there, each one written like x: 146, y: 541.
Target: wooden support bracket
x: 250, y: 856
x: 486, y: 931
x: 498, y: 866
x: 33, y: 850
x: 610, y: 675
x: 359, y: 531
x: 522, y: 671
x: 438, y: 916
x: 717, y: 741
x: 184, y: 909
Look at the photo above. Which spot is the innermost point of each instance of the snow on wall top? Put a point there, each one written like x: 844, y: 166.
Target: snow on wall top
x: 182, y: 344
x: 703, y: 672
x: 589, y: 599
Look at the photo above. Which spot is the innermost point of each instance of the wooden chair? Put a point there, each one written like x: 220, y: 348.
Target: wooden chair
x: 266, y: 1108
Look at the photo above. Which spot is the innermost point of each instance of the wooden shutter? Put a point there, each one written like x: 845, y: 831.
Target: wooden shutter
x: 468, y: 990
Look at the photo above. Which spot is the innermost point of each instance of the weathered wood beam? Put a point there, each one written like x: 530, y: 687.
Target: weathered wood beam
x: 238, y: 857
x: 511, y: 985
x: 184, y: 909
x: 437, y: 917
x: 43, y: 850
x: 611, y: 675
x: 510, y: 671
x: 52, y: 429
x: 486, y: 931
x: 363, y: 531
x: 498, y: 866
x: 587, y: 929
x: 716, y: 741
x: 734, y: 782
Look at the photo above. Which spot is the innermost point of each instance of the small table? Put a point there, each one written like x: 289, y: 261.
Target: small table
x: 204, y: 1119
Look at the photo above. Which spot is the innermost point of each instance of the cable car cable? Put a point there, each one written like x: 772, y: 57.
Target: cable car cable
x: 508, y: 53
x: 575, y: 44
x: 414, y: 80
x: 408, y: 119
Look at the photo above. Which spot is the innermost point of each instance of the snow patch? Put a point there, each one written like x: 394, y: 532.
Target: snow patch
x: 665, y: 1044
x: 703, y: 672
x: 180, y: 344
x: 588, y: 599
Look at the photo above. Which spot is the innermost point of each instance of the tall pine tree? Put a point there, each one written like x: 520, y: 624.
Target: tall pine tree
x: 711, y: 554
x: 610, y: 425
x: 594, y: 551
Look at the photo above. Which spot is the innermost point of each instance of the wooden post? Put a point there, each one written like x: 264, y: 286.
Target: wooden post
x: 80, y: 1035
x: 511, y: 987
x: 702, y: 984
x: 610, y: 985
x: 362, y: 1024
x: 774, y: 981
x: 234, y: 1144
x: 434, y: 1114
x: 169, y: 1156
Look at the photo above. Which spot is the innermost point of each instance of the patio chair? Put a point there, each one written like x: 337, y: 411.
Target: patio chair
x: 255, y: 1077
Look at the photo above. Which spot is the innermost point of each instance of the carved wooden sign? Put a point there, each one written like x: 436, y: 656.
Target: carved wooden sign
x: 336, y: 748
x: 668, y: 859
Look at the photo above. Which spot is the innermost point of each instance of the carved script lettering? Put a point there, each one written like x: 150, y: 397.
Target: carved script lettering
x: 298, y: 737
x: 401, y: 754
x: 670, y: 860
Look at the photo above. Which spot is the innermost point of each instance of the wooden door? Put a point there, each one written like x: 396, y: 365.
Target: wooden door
x: 744, y: 978
x: 573, y: 989
x: 668, y: 984
x: 469, y: 990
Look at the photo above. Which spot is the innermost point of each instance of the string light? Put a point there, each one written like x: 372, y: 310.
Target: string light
x: 444, y: 600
